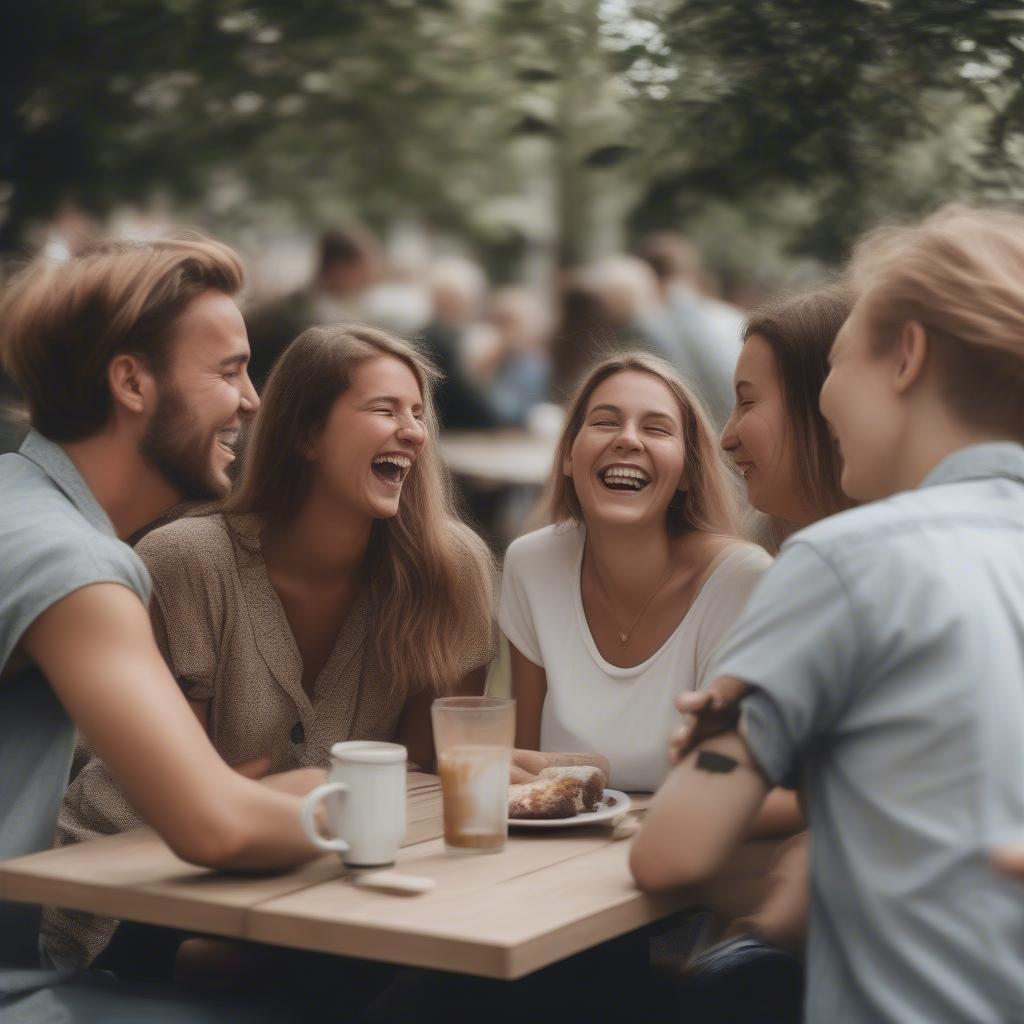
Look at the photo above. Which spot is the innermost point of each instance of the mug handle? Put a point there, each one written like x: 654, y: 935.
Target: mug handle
x: 336, y: 845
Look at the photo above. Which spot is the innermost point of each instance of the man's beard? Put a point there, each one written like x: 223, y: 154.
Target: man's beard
x: 175, y: 446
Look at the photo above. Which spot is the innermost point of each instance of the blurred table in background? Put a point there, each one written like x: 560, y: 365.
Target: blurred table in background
x: 499, y: 457
x: 501, y: 474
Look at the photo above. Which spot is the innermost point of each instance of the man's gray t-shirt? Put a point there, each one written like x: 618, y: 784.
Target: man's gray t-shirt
x: 886, y: 649
x: 54, y: 539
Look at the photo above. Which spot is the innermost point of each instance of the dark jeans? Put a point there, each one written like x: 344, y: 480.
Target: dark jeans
x: 312, y: 986
x: 611, y: 982
x: 607, y: 983
x: 761, y: 986
x: 95, y: 997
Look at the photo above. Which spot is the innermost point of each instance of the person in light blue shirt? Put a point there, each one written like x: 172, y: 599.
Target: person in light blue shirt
x: 132, y: 359
x: 880, y: 661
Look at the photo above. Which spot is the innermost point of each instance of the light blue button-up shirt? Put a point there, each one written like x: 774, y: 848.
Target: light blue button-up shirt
x: 886, y: 648
x: 55, y: 539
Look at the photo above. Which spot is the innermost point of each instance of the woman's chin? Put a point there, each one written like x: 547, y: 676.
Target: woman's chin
x: 385, y: 509
x: 619, y: 516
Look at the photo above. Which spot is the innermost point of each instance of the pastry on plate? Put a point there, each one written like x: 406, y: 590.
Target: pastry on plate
x: 591, y: 779
x: 557, y: 793
x: 546, y: 798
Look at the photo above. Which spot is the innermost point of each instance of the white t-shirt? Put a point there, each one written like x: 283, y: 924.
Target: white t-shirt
x: 627, y: 714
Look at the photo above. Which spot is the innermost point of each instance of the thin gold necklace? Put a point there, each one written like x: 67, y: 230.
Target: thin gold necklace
x: 624, y: 635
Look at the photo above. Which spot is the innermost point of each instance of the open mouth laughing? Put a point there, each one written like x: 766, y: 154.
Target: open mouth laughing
x: 392, y: 468
x: 624, y: 478
x: 227, y: 439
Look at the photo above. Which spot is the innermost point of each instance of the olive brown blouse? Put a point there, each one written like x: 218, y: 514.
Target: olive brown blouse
x: 223, y: 631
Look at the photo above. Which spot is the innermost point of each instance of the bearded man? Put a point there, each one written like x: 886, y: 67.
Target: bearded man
x: 132, y: 359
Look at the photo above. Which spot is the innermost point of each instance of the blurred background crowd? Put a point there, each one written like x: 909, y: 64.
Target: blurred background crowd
x: 522, y: 186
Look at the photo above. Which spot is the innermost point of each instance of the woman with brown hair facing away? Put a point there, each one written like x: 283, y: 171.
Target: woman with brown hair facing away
x: 782, y: 446
x: 334, y: 595
x: 626, y: 595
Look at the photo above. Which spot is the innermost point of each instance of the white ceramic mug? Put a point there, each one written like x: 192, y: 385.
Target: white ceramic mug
x: 365, y: 803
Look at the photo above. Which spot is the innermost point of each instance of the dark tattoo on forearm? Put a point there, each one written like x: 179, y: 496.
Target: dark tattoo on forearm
x: 711, y: 761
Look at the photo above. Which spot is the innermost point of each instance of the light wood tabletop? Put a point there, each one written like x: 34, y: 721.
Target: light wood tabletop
x: 548, y: 895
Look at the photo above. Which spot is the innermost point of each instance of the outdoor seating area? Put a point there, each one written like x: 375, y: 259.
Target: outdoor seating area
x: 512, y: 512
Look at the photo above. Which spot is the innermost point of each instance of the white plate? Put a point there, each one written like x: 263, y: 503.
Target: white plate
x: 611, y: 804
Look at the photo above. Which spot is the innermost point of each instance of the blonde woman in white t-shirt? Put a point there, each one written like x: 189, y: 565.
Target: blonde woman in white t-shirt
x: 623, y: 599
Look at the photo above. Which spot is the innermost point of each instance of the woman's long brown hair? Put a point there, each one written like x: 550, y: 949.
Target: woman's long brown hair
x: 707, y: 504
x: 800, y: 331
x: 431, y: 576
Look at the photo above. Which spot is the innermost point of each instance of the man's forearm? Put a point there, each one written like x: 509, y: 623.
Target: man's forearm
x: 97, y: 651
x: 702, y: 811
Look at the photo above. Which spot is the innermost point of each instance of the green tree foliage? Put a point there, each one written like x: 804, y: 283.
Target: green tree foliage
x: 868, y: 107
x: 109, y: 101
x: 787, y: 124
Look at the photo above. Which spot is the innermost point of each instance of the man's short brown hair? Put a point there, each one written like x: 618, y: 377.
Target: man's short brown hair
x: 61, y: 323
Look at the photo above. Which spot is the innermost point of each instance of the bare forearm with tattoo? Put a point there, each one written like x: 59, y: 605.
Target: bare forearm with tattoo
x: 701, y: 813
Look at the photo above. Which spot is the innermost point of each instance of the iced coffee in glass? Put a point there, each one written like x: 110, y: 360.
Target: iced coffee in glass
x: 473, y: 738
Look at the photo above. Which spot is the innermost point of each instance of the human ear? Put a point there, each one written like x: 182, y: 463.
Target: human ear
x: 912, y: 355
x: 567, y: 466
x: 132, y: 386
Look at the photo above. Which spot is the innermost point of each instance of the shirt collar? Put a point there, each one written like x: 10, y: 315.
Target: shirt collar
x: 980, y: 462
x: 57, y: 465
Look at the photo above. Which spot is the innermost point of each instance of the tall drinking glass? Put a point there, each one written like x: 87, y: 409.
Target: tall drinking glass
x: 473, y: 738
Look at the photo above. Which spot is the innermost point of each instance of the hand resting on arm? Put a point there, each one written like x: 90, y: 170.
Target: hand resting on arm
x: 528, y: 764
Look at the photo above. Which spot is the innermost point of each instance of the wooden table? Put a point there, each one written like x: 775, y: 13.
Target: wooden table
x: 547, y: 896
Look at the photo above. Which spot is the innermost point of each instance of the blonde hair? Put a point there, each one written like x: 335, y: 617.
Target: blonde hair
x: 960, y: 274
x: 707, y: 504
x: 61, y: 323
x: 430, y: 574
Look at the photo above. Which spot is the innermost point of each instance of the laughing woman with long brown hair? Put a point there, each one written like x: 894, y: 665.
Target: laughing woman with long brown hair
x: 333, y: 596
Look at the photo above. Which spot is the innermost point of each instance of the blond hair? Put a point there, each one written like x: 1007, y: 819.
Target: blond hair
x: 706, y: 505
x: 960, y: 274
x: 430, y: 574
x: 61, y: 323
